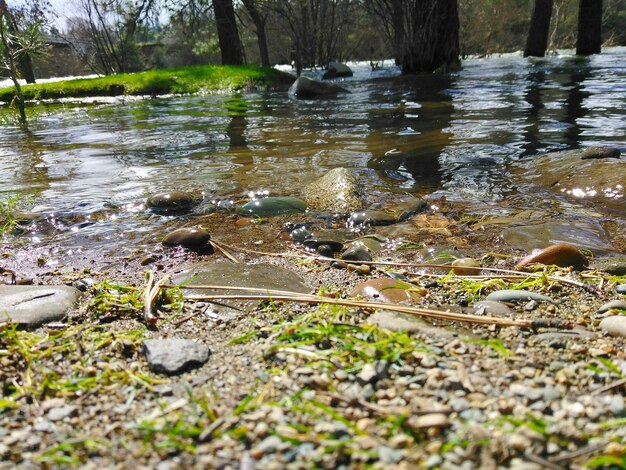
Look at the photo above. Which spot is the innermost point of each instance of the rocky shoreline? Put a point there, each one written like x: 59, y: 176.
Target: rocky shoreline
x: 258, y: 359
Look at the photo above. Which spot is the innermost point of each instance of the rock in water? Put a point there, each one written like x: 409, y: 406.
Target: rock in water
x: 466, y: 267
x: 559, y: 255
x: 273, y: 205
x: 31, y: 306
x: 187, y: 238
x: 174, y: 356
x: 173, y: 202
x: 337, y: 70
x: 305, y: 87
x: 338, y: 191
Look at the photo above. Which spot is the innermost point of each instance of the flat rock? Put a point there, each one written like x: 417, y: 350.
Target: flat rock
x: 580, y: 234
x: 338, y: 191
x: 614, y: 326
x: 261, y: 276
x: 174, y: 356
x: 388, y: 290
x: 517, y: 295
x: 490, y: 307
x: 370, y: 218
x: 398, y: 321
x: 615, y: 266
x: 31, y: 306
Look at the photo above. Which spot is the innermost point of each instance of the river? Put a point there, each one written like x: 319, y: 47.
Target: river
x: 89, y: 166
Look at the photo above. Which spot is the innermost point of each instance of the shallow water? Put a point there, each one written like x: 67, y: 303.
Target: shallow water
x: 94, y: 165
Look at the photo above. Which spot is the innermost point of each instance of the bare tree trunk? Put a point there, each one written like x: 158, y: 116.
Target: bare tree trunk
x: 424, y: 33
x: 11, y: 62
x: 230, y: 44
x: 259, y: 26
x: 537, y: 41
x: 589, y: 39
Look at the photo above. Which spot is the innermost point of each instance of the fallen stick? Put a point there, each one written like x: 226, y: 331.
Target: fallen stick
x: 286, y: 296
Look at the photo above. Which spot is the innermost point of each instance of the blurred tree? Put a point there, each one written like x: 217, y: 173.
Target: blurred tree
x: 537, y: 41
x: 259, y: 19
x: 424, y: 33
x: 112, y: 25
x: 589, y: 39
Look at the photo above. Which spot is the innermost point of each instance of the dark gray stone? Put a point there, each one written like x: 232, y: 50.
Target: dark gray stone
x: 305, y: 87
x: 357, y: 252
x: 274, y: 205
x: 31, y: 306
x: 174, y: 356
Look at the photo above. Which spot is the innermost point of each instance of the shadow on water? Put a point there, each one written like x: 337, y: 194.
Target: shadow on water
x: 409, y: 130
x: 571, y: 77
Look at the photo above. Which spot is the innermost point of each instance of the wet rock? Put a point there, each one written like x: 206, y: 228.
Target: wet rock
x: 314, y: 243
x: 300, y: 234
x: 370, y: 217
x: 174, y: 356
x: 559, y: 255
x: 275, y: 205
x: 187, y: 238
x: 614, y: 326
x: 357, y: 252
x: 305, y: 87
x: 337, y: 70
x: 388, y: 290
x: 617, y: 304
x: 489, y: 307
x: 407, y: 207
x: 588, y: 235
x: 466, y: 267
x: 512, y: 295
x: 262, y: 276
x: 338, y: 191
x: 173, y: 202
x: 31, y: 306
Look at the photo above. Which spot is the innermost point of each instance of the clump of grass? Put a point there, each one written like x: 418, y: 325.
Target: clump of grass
x: 9, y: 212
x: 113, y: 300
x: 207, y: 78
x: 32, y: 360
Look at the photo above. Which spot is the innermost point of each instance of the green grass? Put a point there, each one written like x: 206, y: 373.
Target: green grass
x: 197, y: 79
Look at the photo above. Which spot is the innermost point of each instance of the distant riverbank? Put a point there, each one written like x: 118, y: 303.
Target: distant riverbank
x: 197, y: 79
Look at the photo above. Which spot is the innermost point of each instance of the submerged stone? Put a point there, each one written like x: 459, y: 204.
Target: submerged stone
x: 357, y: 251
x: 466, y: 267
x: 174, y: 356
x: 580, y: 234
x: 561, y: 254
x: 31, y: 306
x: 187, y: 238
x: 173, y: 202
x: 338, y: 191
x: 273, y: 205
x: 371, y: 217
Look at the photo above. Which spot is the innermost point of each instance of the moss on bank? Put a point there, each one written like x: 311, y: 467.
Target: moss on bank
x: 207, y: 78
